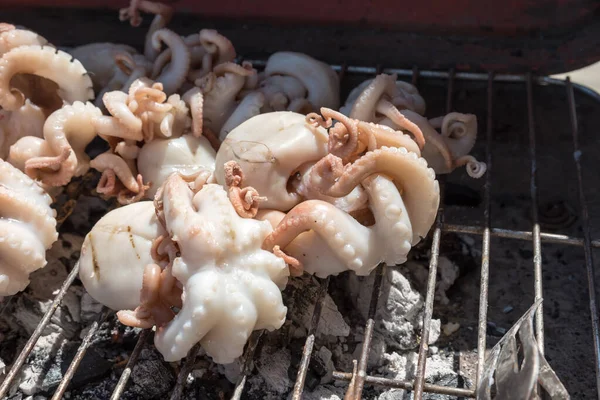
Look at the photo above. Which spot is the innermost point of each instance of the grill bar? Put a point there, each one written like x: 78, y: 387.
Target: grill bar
x: 366, y: 347
x: 433, y: 264
x: 188, y: 364
x: 407, y: 385
x: 124, y: 378
x: 485, y: 247
x: 519, y: 235
x: 587, y: 248
x: 537, y: 246
x: 419, y: 386
x: 359, y: 382
x: 85, y: 344
x: 18, y: 364
x: 310, y: 342
x: 249, y: 356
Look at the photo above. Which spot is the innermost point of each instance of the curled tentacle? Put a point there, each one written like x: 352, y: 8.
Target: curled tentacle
x: 173, y: 76
x: 343, y: 136
x: 417, y: 183
x: 389, y: 110
x: 121, y: 170
x: 45, y: 62
x: 163, y: 14
x: 475, y: 169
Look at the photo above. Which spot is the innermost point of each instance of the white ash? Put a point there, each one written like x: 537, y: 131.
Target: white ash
x: 272, y: 365
x: 301, y: 304
x: 399, y: 310
x: 231, y: 371
x: 447, y: 274
x: 90, y: 308
x: 38, y: 374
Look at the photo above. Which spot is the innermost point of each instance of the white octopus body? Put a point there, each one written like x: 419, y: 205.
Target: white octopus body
x: 115, y: 253
x: 27, y: 228
x: 186, y: 155
x: 231, y: 286
x: 271, y: 149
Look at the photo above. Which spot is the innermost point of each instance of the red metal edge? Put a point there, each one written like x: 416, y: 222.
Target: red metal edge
x: 483, y: 17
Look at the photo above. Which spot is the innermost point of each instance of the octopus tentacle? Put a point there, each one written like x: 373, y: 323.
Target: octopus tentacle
x: 27, y: 228
x: 108, y: 161
x: 56, y: 65
x: 432, y: 137
x: 347, y: 238
x: 320, y: 81
x: 163, y: 15
x: 390, y: 111
x: 475, y: 169
x: 67, y: 132
x: 419, y: 188
x: 381, y: 135
x: 249, y: 107
x: 173, y: 76
x: 459, y: 129
x: 195, y: 101
x: 11, y: 37
x: 343, y: 136
x: 245, y: 200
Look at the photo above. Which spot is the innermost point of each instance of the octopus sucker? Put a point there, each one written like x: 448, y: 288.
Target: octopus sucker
x: 47, y: 62
x: 27, y: 228
x: 62, y: 156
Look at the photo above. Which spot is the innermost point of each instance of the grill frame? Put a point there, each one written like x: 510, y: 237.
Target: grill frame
x: 418, y: 385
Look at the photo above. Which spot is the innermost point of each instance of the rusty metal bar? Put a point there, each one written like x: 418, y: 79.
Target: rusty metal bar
x: 124, y: 378
x: 310, y: 341
x: 248, y: 358
x: 85, y: 344
x: 485, y: 247
x: 537, y: 243
x: 366, y: 347
x: 188, y: 364
x: 400, y: 384
x: 433, y: 264
x: 585, y: 222
x: 519, y: 235
x: 18, y: 364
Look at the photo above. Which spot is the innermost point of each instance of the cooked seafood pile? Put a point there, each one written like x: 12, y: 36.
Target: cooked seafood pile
x: 230, y: 181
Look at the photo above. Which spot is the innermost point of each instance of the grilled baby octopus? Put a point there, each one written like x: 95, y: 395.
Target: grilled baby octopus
x: 27, y: 228
x: 231, y: 286
x: 403, y: 198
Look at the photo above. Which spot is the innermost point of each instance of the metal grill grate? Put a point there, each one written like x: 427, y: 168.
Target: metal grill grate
x: 359, y: 378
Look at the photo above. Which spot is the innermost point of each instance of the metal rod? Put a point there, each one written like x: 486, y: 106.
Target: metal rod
x: 585, y: 221
x: 519, y: 235
x: 124, y: 378
x: 249, y: 355
x: 310, y: 341
x: 364, y: 354
x: 188, y: 364
x: 537, y: 243
x: 467, y: 76
x: 85, y: 344
x: 18, y: 364
x: 433, y: 264
x: 394, y: 383
x: 485, y: 247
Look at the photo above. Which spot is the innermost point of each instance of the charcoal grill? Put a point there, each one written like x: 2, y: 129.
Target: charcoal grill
x: 539, y: 95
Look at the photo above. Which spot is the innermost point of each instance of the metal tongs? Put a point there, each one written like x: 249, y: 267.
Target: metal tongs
x: 510, y: 380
